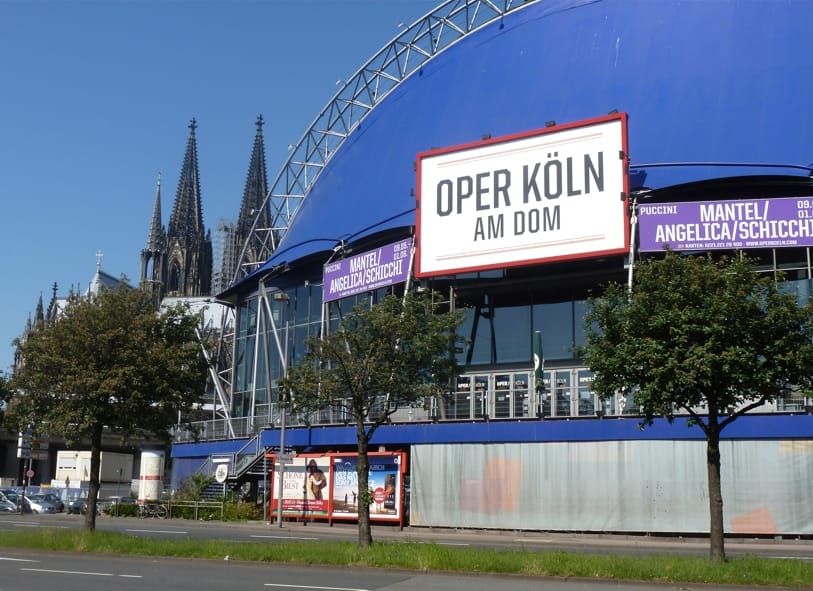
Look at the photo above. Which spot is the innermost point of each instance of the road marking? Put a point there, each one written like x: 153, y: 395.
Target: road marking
x: 284, y: 537
x: 66, y: 572
x: 313, y: 587
x: 77, y: 572
x: 17, y: 559
x: 156, y: 531
x: 534, y: 540
x: 445, y: 543
x: 28, y: 524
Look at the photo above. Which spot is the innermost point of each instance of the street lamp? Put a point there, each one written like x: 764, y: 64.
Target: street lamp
x: 279, y: 296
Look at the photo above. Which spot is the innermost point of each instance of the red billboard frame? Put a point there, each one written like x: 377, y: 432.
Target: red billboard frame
x: 386, y: 487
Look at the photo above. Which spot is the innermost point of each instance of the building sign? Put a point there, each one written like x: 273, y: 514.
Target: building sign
x: 551, y: 194
x: 371, y: 270
x: 741, y: 224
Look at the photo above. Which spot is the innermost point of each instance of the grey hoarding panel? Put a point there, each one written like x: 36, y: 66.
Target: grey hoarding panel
x: 650, y: 486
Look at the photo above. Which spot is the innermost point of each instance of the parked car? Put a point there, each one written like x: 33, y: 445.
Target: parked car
x: 54, y: 500
x: 7, y: 506
x: 78, y: 507
x: 16, y: 499
x: 40, y: 505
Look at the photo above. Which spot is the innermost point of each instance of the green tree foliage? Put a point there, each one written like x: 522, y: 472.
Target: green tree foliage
x: 109, y: 362
x: 393, y: 354
x: 710, y: 338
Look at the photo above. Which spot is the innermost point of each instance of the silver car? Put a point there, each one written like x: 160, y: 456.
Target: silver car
x: 39, y: 504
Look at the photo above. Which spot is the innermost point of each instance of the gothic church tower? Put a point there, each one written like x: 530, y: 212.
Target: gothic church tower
x: 153, y: 257
x: 254, y: 207
x: 181, y: 257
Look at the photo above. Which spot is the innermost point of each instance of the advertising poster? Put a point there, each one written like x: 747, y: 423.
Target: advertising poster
x: 371, y: 270
x: 385, y: 483
x: 305, y: 487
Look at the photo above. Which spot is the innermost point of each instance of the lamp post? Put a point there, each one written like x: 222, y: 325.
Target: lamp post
x: 283, y: 353
x: 281, y: 463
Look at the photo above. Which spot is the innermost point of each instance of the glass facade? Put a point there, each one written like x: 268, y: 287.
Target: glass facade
x: 498, y: 381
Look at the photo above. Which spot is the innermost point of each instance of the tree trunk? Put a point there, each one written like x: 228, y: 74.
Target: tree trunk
x: 716, y: 530
x: 93, y: 488
x: 363, y: 474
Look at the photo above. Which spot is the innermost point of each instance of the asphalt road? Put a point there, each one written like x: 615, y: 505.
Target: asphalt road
x: 43, y: 571
x: 25, y: 570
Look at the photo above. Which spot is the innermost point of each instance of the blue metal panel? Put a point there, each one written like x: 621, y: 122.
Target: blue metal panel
x: 205, y: 449
x: 774, y: 426
x: 188, y: 457
x: 702, y: 82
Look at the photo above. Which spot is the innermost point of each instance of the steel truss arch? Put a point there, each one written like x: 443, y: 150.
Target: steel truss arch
x: 374, y: 81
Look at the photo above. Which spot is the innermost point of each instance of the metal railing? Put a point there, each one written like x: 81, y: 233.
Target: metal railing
x: 250, y: 427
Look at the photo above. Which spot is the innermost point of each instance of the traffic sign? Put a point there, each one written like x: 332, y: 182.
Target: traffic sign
x: 221, y: 472
x: 29, y: 473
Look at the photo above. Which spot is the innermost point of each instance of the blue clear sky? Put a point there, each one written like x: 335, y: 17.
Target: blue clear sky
x: 95, y: 100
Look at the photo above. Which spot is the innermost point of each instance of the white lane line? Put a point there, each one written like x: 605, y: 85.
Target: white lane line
x: 17, y: 559
x: 533, y: 540
x: 446, y: 543
x: 313, y: 587
x: 78, y: 572
x: 66, y: 572
x: 284, y: 537
x: 156, y: 531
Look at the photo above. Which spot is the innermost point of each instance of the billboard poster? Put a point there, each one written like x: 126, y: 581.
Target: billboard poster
x: 742, y: 224
x: 305, y: 487
x: 385, y: 484
x: 367, y: 271
x: 553, y: 194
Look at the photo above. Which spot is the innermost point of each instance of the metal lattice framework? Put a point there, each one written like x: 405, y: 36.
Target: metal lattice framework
x: 405, y: 54
x: 402, y: 56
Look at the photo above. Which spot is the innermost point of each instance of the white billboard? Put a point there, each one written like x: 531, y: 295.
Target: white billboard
x: 552, y: 194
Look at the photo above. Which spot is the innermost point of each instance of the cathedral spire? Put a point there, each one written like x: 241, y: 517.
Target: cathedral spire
x: 39, y: 315
x: 187, y: 215
x: 188, y: 270
x: 156, y: 238
x: 153, y: 257
x: 53, y: 306
x: 254, y: 206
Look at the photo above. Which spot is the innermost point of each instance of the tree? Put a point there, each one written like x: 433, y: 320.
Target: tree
x: 109, y: 362
x: 392, y: 354
x: 712, y: 338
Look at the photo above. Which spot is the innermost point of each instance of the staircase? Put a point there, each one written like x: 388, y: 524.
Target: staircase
x: 247, y: 464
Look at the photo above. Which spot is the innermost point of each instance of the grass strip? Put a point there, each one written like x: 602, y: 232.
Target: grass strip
x: 433, y: 557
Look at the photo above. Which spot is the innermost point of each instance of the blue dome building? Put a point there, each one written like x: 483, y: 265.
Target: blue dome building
x: 687, y: 102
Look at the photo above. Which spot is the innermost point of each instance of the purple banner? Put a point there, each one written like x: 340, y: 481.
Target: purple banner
x: 367, y: 271
x: 741, y: 224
